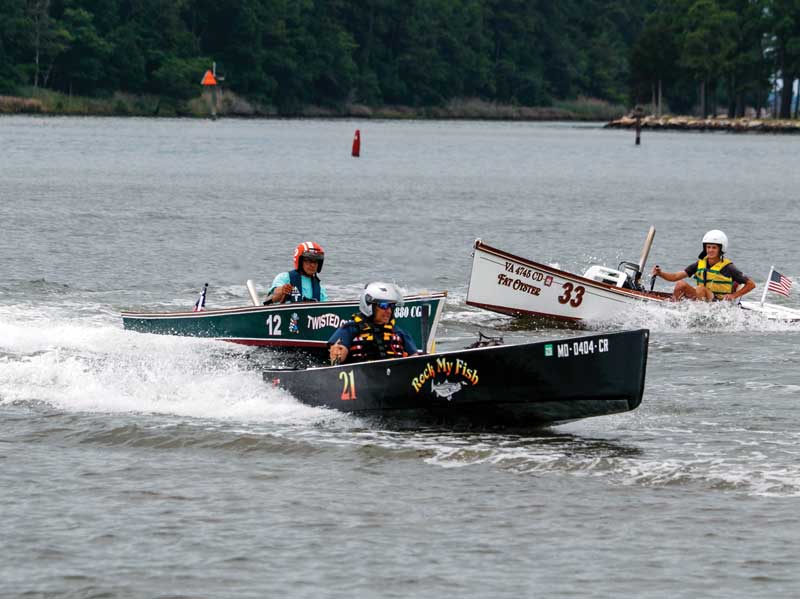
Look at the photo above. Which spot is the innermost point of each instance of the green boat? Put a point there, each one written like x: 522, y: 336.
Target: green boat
x: 306, y: 325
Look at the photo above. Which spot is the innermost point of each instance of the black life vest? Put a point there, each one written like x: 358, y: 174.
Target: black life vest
x: 295, y: 278
x: 374, y: 342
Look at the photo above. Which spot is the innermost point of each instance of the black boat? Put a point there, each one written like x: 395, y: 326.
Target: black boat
x: 521, y: 385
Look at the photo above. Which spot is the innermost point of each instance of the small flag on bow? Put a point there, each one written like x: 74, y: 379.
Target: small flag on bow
x: 779, y: 283
x: 200, y: 304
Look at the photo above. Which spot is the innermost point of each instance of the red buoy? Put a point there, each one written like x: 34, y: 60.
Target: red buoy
x: 357, y: 143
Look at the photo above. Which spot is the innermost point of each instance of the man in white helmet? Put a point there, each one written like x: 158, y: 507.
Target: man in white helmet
x: 716, y: 276
x: 372, y: 334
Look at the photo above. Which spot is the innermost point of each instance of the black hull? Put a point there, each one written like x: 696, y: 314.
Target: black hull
x: 516, y: 385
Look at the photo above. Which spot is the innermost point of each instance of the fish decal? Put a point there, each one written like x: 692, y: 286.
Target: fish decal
x: 446, y: 390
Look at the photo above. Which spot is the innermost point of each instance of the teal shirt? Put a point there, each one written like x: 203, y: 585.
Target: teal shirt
x: 307, y: 290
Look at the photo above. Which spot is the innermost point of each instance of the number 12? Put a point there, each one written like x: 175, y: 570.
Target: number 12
x: 274, y: 324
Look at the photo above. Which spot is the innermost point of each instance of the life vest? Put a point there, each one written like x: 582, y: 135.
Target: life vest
x: 375, y: 342
x: 295, y: 278
x: 712, y: 278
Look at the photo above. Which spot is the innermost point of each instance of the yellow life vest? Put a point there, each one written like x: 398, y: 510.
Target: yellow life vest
x: 712, y: 278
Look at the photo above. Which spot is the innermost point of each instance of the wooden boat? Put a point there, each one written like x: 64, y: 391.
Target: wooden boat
x: 505, y: 283
x: 513, y: 385
x: 306, y: 325
x: 508, y: 284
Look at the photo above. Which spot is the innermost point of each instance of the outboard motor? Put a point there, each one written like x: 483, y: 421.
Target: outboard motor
x: 633, y: 276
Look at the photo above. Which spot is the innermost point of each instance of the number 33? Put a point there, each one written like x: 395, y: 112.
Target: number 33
x: 567, y: 297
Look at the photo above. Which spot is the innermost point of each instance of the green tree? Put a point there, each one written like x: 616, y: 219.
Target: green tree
x: 378, y: 28
x: 15, y: 43
x: 784, y: 20
x: 442, y: 54
x: 179, y: 78
x: 127, y: 68
x: 654, y: 59
x: 708, y: 45
x: 518, y: 41
x: 746, y: 69
x: 565, y: 62
x: 81, y: 65
x: 329, y: 58
x: 232, y: 32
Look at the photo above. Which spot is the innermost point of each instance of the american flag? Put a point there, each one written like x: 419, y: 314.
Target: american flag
x: 200, y: 304
x: 779, y: 283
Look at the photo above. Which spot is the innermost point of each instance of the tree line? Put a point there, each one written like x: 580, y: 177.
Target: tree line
x: 291, y: 53
x: 719, y: 55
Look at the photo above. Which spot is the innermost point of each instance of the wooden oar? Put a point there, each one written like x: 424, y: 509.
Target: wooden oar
x: 253, y: 295
x: 646, y: 249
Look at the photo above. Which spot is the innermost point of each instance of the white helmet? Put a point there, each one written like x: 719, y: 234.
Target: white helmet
x: 718, y: 237
x: 378, y: 292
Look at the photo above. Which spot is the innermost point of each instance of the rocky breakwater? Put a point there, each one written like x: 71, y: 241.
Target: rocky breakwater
x: 688, y: 123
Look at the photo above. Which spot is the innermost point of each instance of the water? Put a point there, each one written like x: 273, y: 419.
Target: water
x: 144, y: 466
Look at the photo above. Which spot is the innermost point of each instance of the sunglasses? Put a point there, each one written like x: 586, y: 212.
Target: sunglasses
x: 385, y: 305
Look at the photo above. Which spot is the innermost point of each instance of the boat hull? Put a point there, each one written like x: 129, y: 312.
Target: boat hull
x: 523, y: 385
x: 300, y: 325
x: 508, y: 284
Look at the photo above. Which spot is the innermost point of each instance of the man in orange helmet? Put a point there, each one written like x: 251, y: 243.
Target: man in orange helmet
x: 301, y: 284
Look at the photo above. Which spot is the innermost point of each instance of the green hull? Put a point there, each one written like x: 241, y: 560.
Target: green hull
x: 302, y: 325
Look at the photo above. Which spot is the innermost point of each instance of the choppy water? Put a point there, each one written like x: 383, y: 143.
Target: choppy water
x: 144, y: 466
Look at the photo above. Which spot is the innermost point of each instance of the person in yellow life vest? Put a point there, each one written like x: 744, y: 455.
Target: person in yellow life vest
x: 372, y: 334
x: 716, y: 276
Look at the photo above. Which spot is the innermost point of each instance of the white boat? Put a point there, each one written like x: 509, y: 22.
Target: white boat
x: 772, y: 311
x: 505, y: 283
x: 508, y: 284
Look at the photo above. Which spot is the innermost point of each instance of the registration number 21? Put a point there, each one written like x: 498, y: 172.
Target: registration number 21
x: 349, y: 385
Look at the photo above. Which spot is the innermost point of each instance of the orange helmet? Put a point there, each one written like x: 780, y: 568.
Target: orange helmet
x: 310, y: 250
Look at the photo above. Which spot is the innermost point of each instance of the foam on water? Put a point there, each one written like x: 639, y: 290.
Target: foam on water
x: 86, y: 365
x: 751, y: 473
x: 688, y: 316
x: 84, y: 362
x: 586, y: 454
x: 458, y: 312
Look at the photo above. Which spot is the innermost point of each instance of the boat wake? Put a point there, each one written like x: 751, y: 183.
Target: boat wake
x: 664, y: 318
x: 62, y: 364
x: 578, y: 450
x: 689, y: 316
x: 91, y: 365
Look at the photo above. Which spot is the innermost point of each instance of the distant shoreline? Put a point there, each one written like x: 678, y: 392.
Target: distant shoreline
x: 47, y: 103
x: 729, y: 125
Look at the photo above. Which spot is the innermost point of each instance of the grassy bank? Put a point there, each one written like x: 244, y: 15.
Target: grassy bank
x: 39, y: 101
x: 42, y: 101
